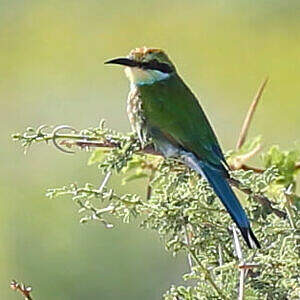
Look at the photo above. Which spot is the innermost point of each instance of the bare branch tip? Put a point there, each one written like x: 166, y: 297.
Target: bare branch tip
x: 24, y: 290
x: 250, y: 113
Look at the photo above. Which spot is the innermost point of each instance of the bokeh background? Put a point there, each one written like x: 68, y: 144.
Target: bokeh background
x: 52, y: 72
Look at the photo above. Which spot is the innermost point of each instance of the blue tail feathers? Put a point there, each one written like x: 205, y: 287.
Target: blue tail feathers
x: 217, y: 180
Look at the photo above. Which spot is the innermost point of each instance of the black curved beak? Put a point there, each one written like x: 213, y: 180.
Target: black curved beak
x: 123, y: 61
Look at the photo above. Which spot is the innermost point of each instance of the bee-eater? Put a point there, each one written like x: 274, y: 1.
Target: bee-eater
x: 161, y: 106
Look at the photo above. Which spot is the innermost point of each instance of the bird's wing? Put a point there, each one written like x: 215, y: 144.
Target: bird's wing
x: 172, y: 108
x: 174, y: 115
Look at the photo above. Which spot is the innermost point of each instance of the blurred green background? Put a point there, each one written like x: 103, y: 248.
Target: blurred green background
x: 51, y: 58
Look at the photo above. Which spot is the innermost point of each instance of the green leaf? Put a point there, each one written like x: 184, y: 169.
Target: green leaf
x: 132, y: 177
x: 134, y: 163
x: 284, y: 162
x: 97, y: 156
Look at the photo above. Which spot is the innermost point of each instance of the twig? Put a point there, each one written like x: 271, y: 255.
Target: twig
x: 85, y: 143
x: 148, y: 150
x: 188, y: 242
x: 288, y: 204
x: 20, y: 287
x: 239, y: 161
x: 237, y: 245
x: 104, y: 182
x: 82, y: 140
x: 149, y: 188
x: 55, y: 135
x: 261, y: 199
x: 241, y: 285
x: 206, y: 272
x: 250, y: 168
x: 89, y: 144
x: 249, y: 266
x: 250, y: 114
x: 243, y: 267
x: 239, y: 254
x: 221, y: 262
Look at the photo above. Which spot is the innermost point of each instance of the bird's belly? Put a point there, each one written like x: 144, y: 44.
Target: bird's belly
x: 161, y: 143
x: 166, y: 148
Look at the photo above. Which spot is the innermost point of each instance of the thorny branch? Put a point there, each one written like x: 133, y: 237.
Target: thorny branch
x: 261, y: 199
x: 206, y: 272
x: 21, y: 288
x: 65, y: 141
x: 85, y: 142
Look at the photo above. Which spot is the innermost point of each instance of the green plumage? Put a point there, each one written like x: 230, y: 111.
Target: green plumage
x: 162, y: 107
x: 171, y: 111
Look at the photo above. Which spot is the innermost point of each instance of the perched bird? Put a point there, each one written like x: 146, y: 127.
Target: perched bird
x: 161, y: 106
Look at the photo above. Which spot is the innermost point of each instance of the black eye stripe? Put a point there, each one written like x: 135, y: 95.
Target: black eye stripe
x: 156, y: 65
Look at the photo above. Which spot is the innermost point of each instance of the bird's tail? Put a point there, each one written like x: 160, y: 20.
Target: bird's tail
x: 223, y: 190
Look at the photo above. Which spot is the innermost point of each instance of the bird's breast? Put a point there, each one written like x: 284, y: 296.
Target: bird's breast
x: 134, y: 106
x: 136, y: 114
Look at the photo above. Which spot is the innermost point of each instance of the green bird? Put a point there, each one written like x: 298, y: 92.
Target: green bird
x: 161, y: 106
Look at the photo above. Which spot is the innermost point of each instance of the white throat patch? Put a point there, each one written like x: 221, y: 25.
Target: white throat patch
x: 139, y: 76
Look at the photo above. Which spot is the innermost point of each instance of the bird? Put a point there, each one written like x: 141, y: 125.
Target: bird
x: 162, y: 107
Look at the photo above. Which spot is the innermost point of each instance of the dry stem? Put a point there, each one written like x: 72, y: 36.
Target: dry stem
x: 249, y: 116
x: 21, y: 288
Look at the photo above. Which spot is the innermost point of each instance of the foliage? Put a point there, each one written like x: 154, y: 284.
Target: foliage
x: 182, y: 208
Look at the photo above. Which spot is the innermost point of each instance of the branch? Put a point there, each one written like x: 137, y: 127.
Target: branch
x: 86, y: 143
x: 21, y: 288
x: 239, y: 161
x: 99, y: 138
x: 188, y: 242
x: 239, y: 253
x: 259, y: 198
x: 250, y: 168
x: 206, y: 272
x: 249, y: 116
x: 149, y: 149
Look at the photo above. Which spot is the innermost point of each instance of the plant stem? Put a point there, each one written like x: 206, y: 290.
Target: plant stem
x: 188, y: 242
x: 249, y: 116
x: 207, y: 273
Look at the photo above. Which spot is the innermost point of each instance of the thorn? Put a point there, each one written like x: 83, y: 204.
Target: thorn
x: 56, y: 136
x: 104, y: 182
x: 20, y: 287
x: 237, y: 245
x: 250, y: 114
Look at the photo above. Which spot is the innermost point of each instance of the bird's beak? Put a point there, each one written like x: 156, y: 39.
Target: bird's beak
x: 123, y: 61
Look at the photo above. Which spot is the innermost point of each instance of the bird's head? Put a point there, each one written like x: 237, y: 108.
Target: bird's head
x: 146, y: 65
